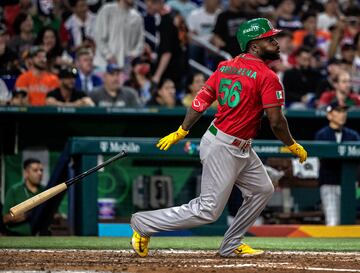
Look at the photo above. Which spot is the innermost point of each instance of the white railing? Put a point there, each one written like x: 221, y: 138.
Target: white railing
x: 200, y: 42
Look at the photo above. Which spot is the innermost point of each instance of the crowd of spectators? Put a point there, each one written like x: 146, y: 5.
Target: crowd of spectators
x: 99, y: 53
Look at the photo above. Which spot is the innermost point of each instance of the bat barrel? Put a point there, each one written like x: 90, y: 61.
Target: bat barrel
x: 46, y: 195
x: 36, y: 200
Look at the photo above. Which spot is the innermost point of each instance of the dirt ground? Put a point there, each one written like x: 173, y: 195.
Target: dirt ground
x: 175, y: 261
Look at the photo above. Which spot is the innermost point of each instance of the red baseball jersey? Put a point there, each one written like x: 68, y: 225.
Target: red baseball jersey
x: 243, y: 86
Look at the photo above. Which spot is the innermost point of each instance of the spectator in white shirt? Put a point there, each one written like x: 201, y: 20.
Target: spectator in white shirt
x: 80, y: 25
x: 119, y: 34
x: 330, y: 16
x: 201, y: 22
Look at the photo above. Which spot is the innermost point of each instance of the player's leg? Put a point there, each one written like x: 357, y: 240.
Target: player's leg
x: 220, y: 171
x: 257, y: 189
x: 233, y: 204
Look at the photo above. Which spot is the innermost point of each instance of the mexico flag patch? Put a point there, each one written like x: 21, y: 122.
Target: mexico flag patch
x: 279, y: 95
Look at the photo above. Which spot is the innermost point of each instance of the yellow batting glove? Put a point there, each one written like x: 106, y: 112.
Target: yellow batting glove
x: 173, y: 138
x: 299, y: 151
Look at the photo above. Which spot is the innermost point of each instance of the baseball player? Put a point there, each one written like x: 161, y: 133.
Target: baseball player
x: 245, y: 87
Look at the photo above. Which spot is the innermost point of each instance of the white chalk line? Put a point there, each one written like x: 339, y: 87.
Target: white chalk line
x: 278, y: 266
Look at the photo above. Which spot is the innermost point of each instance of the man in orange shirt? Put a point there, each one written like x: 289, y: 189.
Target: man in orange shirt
x: 37, y: 82
x: 310, y: 35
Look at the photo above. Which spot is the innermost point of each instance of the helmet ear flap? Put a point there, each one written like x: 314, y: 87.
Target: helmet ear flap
x: 246, y: 45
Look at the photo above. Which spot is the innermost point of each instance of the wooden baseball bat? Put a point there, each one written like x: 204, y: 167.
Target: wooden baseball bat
x: 40, y: 198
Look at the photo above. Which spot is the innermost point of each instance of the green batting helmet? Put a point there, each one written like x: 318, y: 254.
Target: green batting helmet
x: 254, y: 29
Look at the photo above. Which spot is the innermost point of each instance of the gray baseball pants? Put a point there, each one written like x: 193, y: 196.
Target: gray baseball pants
x: 224, y: 165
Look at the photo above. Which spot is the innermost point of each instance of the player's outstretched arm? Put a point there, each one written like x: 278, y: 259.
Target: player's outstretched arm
x: 190, y: 119
x: 281, y: 130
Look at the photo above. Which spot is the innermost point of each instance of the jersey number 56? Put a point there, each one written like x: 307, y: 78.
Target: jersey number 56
x: 229, y: 92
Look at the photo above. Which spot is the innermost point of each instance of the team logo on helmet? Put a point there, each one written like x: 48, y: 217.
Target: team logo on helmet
x: 250, y: 29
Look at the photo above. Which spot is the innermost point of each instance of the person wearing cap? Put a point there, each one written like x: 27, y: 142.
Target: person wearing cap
x: 37, y: 81
x: 245, y: 87
x: 66, y: 94
x: 341, y: 94
x: 112, y: 94
x: 330, y: 169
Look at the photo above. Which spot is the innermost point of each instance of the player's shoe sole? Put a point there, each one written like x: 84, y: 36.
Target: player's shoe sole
x: 140, y: 244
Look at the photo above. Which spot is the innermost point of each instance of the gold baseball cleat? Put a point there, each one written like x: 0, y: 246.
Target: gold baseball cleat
x: 246, y: 250
x: 140, y: 244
